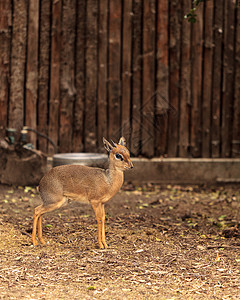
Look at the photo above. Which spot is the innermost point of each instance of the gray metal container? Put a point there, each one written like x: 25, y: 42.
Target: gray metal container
x: 85, y: 159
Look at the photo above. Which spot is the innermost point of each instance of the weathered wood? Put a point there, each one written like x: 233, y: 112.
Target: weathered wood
x: 136, y: 77
x: 78, y: 113
x: 149, y: 94
x: 217, y: 78
x: 126, y: 70
x: 228, y: 75
x: 32, y: 69
x: 162, y: 99
x: 18, y: 61
x: 90, y: 132
x: 102, y: 72
x: 43, y: 78
x: 236, y: 96
x: 174, y: 76
x: 67, y: 81
x: 185, y: 87
x: 114, y: 83
x: 196, y: 85
x: 55, y: 74
x: 5, y: 39
x: 207, y: 78
x: 106, y: 68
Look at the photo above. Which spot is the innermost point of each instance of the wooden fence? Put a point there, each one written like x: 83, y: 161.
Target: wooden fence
x: 78, y: 70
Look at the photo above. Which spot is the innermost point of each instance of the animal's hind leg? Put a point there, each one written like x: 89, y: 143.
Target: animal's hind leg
x: 40, y: 230
x: 37, y: 218
x: 35, y: 221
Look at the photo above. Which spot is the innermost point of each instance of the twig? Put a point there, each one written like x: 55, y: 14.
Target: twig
x: 170, y: 261
x: 26, y: 233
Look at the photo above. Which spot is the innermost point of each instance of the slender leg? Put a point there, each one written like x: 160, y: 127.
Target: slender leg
x: 34, y: 231
x: 103, y: 228
x: 37, y: 218
x: 35, y: 221
x: 98, y: 212
x: 40, y: 230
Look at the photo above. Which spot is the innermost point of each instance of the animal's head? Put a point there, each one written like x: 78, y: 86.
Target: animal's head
x: 119, y: 155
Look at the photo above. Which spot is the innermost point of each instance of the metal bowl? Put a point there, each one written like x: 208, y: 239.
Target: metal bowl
x: 84, y: 159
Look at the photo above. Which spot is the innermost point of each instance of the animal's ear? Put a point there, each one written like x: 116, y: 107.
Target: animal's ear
x: 107, y: 145
x: 122, y: 141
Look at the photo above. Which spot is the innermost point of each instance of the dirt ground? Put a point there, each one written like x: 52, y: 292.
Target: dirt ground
x: 172, y: 242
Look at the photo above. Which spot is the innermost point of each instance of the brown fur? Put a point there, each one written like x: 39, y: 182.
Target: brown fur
x: 84, y: 184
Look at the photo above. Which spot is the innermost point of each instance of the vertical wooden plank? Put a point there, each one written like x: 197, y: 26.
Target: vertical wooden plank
x: 162, y: 100
x: 32, y: 69
x: 43, y: 83
x: 185, y: 90
x: 174, y: 76
x: 102, y: 72
x: 136, y: 77
x: 126, y: 69
x: 217, y: 78
x: 18, y: 60
x: 55, y: 74
x: 114, y: 64
x: 196, y: 84
x: 67, y: 81
x: 149, y: 95
x: 236, y: 107
x: 80, y: 76
x: 207, y: 78
x: 228, y: 68
x: 91, y: 77
x: 5, y: 39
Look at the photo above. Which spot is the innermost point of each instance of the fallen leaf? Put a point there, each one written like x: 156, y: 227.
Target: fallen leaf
x: 221, y: 218
x: 48, y: 225
x: 137, y: 192
x: 25, y: 199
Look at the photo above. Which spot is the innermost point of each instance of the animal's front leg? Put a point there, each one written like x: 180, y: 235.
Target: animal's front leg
x: 97, y: 207
x: 103, y: 228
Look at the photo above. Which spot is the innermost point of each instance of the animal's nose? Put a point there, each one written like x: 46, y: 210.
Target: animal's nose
x: 130, y: 164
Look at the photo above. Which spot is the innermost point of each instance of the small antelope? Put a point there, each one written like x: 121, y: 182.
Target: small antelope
x: 82, y: 183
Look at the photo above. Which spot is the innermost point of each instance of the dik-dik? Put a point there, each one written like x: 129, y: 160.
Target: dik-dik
x: 84, y: 184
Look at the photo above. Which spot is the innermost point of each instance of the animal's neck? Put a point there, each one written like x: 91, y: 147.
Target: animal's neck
x: 115, y: 177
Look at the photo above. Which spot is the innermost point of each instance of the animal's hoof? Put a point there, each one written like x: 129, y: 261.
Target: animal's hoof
x: 42, y: 241
x: 101, y: 245
x: 35, y: 243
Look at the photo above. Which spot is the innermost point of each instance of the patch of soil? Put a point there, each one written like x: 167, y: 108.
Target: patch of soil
x: 173, y: 242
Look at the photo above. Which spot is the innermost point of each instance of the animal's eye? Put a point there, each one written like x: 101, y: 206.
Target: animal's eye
x: 118, y: 156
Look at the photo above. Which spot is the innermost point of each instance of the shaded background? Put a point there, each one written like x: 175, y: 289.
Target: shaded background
x: 78, y: 70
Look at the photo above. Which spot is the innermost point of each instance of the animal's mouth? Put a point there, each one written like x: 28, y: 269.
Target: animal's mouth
x: 128, y: 167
